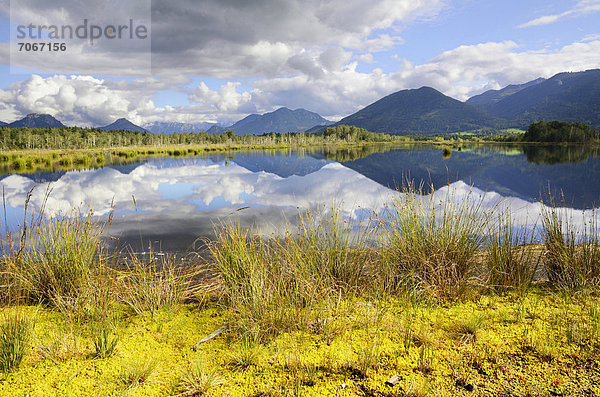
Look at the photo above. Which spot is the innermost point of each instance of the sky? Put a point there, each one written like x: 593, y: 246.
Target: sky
x: 216, y: 61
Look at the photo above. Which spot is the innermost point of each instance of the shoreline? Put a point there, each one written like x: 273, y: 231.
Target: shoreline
x: 55, y: 160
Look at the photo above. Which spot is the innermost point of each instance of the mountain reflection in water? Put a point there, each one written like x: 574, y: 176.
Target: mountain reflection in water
x: 178, y: 200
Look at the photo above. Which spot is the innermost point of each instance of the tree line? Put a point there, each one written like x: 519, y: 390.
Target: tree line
x: 560, y: 131
x: 86, y: 138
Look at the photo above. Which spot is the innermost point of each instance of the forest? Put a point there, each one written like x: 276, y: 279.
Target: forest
x: 560, y: 131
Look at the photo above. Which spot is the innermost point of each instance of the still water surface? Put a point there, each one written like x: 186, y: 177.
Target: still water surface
x: 171, y: 202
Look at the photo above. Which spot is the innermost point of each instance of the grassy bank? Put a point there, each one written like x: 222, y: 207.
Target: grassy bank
x: 53, y: 160
x: 443, y: 294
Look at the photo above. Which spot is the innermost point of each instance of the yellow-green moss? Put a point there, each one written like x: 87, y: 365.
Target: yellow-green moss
x: 523, y: 345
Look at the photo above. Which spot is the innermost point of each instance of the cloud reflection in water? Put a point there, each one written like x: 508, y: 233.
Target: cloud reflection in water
x: 178, y: 203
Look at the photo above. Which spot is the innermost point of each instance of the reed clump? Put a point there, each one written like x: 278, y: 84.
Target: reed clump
x: 511, y: 257
x: 572, y: 254
x: 57, y: 259
x: 278, y: 284
x: 432, y: 244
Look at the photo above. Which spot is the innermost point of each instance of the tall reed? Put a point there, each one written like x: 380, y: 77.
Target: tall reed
x: 275, y: 285
x: 57, y: 258
x: 432, y: 244
x: 510, y: 257
x: 572, y: 257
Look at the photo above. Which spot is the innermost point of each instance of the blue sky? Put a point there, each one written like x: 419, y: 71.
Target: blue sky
x: 216, y: 61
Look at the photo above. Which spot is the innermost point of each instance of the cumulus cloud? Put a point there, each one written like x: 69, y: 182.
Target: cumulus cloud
x: 460, y: 73
x: 326, y: 82
x: 81, y: 100
x: 469, y: 70
x: 90, y: 101
x: 581, y: 8
x: 225, y: 39
x: 227, y: 99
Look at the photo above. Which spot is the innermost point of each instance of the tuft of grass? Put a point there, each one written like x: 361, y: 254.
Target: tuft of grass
x: 137, y: 371
x: 467, y: 329
x: 104, y: 343
x: 57, y: 259
x: 425, y: 360
x: 432, y: 245
x: 366, y: 359
x: 281, y: 284
x: 199, y: 380
x: 15, y: 332
x: 511, y: 261
x: 572, y: 257
x: 148, y: 287
x: 59, y: 345
x: 245, y: 354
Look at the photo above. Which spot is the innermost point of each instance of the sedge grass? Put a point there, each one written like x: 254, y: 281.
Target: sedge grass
x: 572, y: 257
x: 199, y: 380
x: 512, y: 262
x: 15, y: 332
x: 137, y: 371
x: 105, y: 343
x: 432, y: 245
x: 281, y: 284
x: 57, y: 259
x: 148, y: 287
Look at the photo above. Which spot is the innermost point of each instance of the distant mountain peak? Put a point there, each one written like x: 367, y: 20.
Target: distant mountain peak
x: 37, y: 120
x: 488, y: 98
x: 166, y: 127
x: 124, y: 125
x: 280, y: 120
x: 423, y: 110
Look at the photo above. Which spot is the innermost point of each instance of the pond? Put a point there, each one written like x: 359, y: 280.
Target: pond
x: 171, y: 203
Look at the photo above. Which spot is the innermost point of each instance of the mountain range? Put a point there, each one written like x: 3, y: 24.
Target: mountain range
x: 424, y: 111
x: 162, y: 127
x: 281, y: 120
x: 565, y: 96
x: 489, y: 98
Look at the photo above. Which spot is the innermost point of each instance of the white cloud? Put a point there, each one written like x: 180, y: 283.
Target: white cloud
x: 583, y: 7
x: 89, y: 101
x: 326, y: 82
x: 80, y: 100
x: 227, y: 99
x: 368, y: 58
x: 460, y: 73
x: 233, y: 39
x: 468, y: 70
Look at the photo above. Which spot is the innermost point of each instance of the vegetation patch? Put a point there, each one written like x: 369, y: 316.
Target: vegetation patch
x: 428, y: 298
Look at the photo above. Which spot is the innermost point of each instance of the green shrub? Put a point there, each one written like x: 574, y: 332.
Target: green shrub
x: 19, y: 164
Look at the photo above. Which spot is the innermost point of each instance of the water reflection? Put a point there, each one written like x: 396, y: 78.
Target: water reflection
x: 178, y: 201
x: 170, y: 203
x: 508, y: 172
